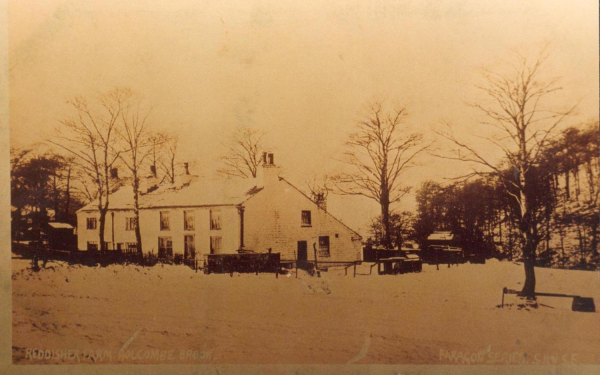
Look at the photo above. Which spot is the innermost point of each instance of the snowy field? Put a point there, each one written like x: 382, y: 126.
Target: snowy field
x: 170, y: 314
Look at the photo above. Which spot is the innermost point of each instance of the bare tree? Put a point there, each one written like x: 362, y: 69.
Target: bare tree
x: 378, y: 152
x: 90, y: 136
x: 243, y: 153
x: 169, y: 156
x: 513, y: 104
x: 318, y: 189
x: 138, y: 146
x: 157, y: 142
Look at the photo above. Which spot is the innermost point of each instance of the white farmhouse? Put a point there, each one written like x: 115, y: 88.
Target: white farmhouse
x: 195, y: 217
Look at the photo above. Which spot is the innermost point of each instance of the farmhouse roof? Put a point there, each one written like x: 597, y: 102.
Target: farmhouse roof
x: 202, y: 192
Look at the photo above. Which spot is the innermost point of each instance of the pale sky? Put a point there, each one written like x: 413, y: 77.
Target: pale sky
x: 299, y: 70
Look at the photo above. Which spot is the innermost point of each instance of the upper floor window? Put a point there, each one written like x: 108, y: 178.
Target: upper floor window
x: 215, y: 219
x: 306, y: 219
x: 165, y: 223
x: 92, y: 222
x: 188, y: 220
x: 130, y: 223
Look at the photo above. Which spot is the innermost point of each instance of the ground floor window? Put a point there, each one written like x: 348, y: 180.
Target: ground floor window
x: 165, y: 247
x: 189, y: 247
x: 215, y: 245
x: 92, y: 245
x: 324, y: 246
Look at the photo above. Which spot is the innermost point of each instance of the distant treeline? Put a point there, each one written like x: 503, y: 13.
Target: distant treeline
x: 565, y: 209
x: 43, y: 187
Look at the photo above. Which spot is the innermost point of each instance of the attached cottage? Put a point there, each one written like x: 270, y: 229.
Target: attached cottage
x: 195, y: 217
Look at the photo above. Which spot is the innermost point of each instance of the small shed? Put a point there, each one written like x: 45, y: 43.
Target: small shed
x: 61, y: 236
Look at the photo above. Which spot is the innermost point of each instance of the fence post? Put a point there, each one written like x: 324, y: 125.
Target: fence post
x: 354, y: 269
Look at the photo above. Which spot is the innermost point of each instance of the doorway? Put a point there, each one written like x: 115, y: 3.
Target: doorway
x: 302, y: 254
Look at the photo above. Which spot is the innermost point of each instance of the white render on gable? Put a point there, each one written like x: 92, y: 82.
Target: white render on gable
x: 273, y: 219
x: 258, y: 219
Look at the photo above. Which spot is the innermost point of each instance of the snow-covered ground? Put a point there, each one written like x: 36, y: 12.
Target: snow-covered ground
x: 170, y: 314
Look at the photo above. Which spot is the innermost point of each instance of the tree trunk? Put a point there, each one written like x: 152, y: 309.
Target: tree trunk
x: 527, y: 232
x: 385, y: 215
x: 529, y: 264
x: 136, y: 199
x: 68, y: 196
x: 101, y: 230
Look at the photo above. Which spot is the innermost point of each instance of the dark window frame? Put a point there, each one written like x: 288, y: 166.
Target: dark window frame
x: 91, y: 223
x: 324, y: 246
x: 213, y: 241
x: 189, y: 220
x: 165, y: 220
x: 215, y: 222
x: 306, y: 218
x: 130, y: 223
x: 165, y: 246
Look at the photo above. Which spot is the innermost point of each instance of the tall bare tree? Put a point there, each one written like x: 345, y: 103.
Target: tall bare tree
x: 243, y: 155
x: 169, y: 157
x: 90, y: 137
x: 138, y: 142
x: 519, y: 122
x: 157, y: 144
x: 319, y: 189
x: 378, y: 152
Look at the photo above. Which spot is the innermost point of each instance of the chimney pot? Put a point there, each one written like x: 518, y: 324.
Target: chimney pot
x: 187, y: 168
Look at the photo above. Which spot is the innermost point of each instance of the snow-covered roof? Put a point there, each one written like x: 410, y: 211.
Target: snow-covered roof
x: 441, y: 236
x: 60, y: 225
x: 201, y: 192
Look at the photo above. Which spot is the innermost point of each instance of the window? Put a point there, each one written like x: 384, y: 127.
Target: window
x: 215, y: 220
x: 189, y: 248
x: 132, y: 246
x: 165, y: 224
x: 188, y: 220
x: 306, y: 219
x: 165, y: 247
x: 92, y: 245
x: 215, y: 245
x: 91, y: 223
x: 130, y: 223
x: 323, y: 246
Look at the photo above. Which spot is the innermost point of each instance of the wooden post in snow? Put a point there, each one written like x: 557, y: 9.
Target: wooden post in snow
x: 316, y: 265
x: 296, y: 257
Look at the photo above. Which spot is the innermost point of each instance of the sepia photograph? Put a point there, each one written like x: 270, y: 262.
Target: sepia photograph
x: 390, y: 186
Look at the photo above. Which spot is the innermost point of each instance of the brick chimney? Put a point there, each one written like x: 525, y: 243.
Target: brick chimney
x: 270, y: 171
x: 186, y: 178
x: 150, y: 183
x: 114, y: 173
